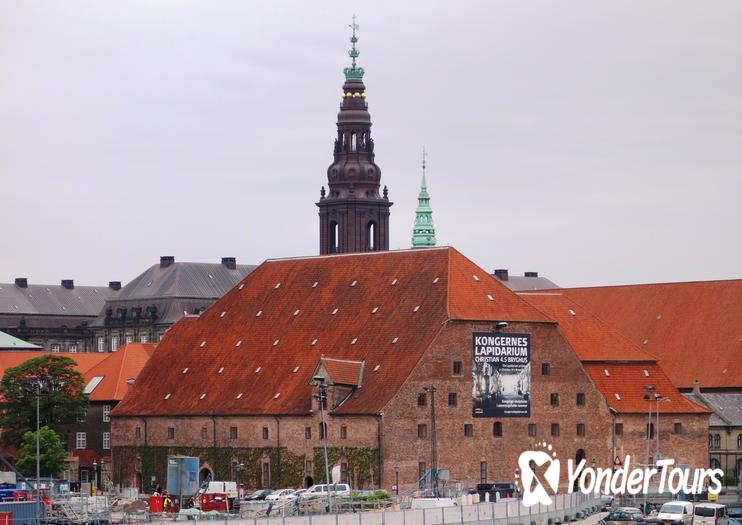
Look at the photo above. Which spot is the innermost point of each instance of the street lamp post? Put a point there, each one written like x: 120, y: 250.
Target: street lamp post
x: 396, y: 480
x: 322, y: 397
x: 37, y: 384
x: 433, y: 443
x: 648, y: 396
x: 95, y: 477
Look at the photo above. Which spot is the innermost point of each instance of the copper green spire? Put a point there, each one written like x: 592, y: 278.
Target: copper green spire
x: 353, y: 72
x: 423, y: 233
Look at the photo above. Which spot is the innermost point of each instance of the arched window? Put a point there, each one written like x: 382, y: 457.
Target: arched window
x: 353, y: 141
x: 371, y: 236
x: 711, y: 441
x: 739, y: 441
x: 497, y: 429
x: 334, y: 237
x: 717, y: 441
x: 363, y: 141
x: 715, y: 463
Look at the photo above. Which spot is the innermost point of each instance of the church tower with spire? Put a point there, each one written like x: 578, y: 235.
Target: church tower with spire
x: 353, y: 215
x: 423, y: 233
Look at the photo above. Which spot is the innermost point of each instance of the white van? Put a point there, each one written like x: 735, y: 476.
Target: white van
x: 337, y: 489
x: 710, y: 514
x: 676, y: 513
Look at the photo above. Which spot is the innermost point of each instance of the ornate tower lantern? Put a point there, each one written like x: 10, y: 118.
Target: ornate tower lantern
x: 423, y: 233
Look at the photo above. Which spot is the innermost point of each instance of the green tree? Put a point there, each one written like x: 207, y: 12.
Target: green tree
x: 62, y: 400
x: 52, y: 453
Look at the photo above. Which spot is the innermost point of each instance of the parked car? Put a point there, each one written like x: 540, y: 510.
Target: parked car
x: 676, y: 513
x: 734, y: 511
x: 281, y: 494
x: 259, y: 495
x: 337, y: 489
x: 618, y: 517
x: 710, y: 514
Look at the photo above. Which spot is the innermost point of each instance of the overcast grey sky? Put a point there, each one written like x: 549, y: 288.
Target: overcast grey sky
x: 594, y: 142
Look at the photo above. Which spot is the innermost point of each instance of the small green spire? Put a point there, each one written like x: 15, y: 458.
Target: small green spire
x: 423, y: 233
x: 353, y: 72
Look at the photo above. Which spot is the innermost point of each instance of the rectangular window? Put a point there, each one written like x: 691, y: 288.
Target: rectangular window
x: 343, y: 432
x: 106, y: 441
x: 422, y: 430
x: 322, y: 430
x: 532, y: 430
x: 266, y: 477
x: 555, y: 429
x: 308, y: 468
x: 483, y: 472
x: 232, y: 433
x: 266, y: 434
x: 457, y: 368
x: 204, y: 432
x: 422, y: 400
x: 171, y: 432
x: 422, y: 473
x: 129, y: 339
x: 581, y: 429
x: 496, y: 429
x: 618, y: 429
x: 114, y: 343
x: 72, y: 348
x: 580, y: 399
x: 106, y: 413
x: 545, y: 369
x: 308, y: 432
x: 82, y: 416
x: 677, y: 428
x: 453, y: 399
x: 468, y: 430
x: 56, y: 348
x: 144, y: 338
x: 101, y: 344
x: 343, y: 472
x: 138, y: 433
x: 81, y: 440
x: 554, y: 400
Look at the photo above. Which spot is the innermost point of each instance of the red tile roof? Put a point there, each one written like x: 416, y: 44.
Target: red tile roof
x: 382, y: 308
x: 83, y: 360
x: 623, y: 388
x: 694, y: 329
x: 343, y: 371
x: 629, y: 367
x: 116, y: 369
x: 591, y: 339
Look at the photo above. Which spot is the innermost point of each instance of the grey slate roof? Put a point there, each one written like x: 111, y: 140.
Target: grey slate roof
x: 8, y: 342
x: 727, y: 407
x: 42, y: 299
x: 519, y: 283
x: 175, y: 289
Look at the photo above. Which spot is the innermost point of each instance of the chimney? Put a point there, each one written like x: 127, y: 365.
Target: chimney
x: 502, y: 274
x: 696, y: 387
x: 531, y: 274
x: 166, y: 260
x: 230, y: 262
x: 68, y: 283
x: 114, y: 285
x: 21, y: 282
x: 130, y: 382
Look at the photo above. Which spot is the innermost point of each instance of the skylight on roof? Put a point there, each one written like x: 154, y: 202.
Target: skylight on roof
x: 241, y: 286
x: 211, y: 276
x: 275, y: 343
x: 278, y: 285
x: 572, y: 312
x: 202, y: 396
x: 278, y: 394
x: 92, y: 384
x: 659, y: 316
x: 314, y: 342
x: 394, y: 341
x: 238, y: 343
x: 489, y: 296
x: 416, y: 308
x: 223, y: 314
x: 374, y: 309
x: 645, y: 341
x: 220, y: 370
x: 260, y: 312
x: 239, y: 396
x: 258, y: 369
x: 296, y: 369
x: 606, y: 372
x: 646, y: 373
x: 618, y: 397
x: 334, y: 311
x: 315, y: 284
x: 354, y: 340
x: 185, y: 370
x: 394, y: 282
x: 296, y: 312
x: 203, y: 343
x: 353, y: 284
x: 376, y: 368
x: 167, y: 396
x: 435, y: 281
x: 475, y: 277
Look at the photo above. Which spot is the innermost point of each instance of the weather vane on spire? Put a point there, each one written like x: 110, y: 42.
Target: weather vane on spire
x: 353, y: 72
x: 425, y: 156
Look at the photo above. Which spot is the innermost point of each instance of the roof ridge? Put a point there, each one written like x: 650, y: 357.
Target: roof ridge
x: 356, y: 254
x: 664, y: 283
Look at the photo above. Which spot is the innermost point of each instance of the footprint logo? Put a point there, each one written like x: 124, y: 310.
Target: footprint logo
x: 536, y: 492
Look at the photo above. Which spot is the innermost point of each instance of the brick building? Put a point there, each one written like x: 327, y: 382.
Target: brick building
x: 381, y: 329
